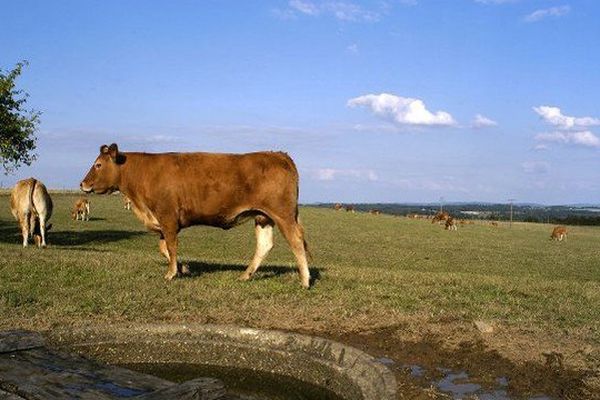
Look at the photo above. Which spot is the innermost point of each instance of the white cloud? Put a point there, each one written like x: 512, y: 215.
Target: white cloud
x: 535, y: 167
x: 402, y: 110
x: 554, y: 117
x: 495, y: 1
x: 330, y: 174
x: 352, y: 48
x: 341, y: 10
x: 540, y: 147
x: 481, y: 121
x: 304, y: 7
x: 541, y: 14
x: 583, y: 138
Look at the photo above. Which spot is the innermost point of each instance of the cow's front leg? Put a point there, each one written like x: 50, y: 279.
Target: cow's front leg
x: 171, y: 244
x: 183, y: 269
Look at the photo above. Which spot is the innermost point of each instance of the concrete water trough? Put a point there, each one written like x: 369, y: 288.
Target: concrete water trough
x: 344, y: 371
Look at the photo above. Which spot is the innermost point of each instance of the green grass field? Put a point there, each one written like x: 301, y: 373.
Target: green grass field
x: 371, y: 273
x: 367, y: 268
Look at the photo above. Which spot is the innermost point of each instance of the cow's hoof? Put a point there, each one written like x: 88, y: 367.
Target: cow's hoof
x: 245, y: 276
x: 170, y: 275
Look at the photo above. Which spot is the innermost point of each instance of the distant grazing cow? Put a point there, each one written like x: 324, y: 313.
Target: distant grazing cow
x: 350, y: 209
x: 338, y: 207
x: 31, y: 206
x: 494, y: 223
x: 172, y: 191
x: 440, y: 217
x: 559, y: 233
x: 81, y: 209
x: 126, y: 203
x: 451, y: 224
x: 374, y: 212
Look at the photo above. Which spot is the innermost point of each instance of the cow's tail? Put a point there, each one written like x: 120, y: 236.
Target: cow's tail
x: 291, y: 166
x: 301, y: 228
x: 33, y: 216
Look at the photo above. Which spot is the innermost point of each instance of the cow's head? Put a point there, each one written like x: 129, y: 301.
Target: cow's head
x: 105, y: 174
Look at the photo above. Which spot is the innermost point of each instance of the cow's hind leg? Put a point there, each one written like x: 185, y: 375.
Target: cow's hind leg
x: 42, y: 222
x: 25, y: 230
x: 264, y: 243
x: 162, y: 247
x: 294, y: 234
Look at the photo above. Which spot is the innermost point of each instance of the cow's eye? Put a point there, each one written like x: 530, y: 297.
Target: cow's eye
x: 98, y: 165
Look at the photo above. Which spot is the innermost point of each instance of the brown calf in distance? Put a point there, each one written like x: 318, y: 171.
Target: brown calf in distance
x: 172, y: 191
x: 440, y: 216
x: 81, y: 209
x: 559, y: 233
x: 31, y: 206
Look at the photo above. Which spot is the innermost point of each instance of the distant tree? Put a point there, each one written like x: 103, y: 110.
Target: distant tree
x: 17, y: 124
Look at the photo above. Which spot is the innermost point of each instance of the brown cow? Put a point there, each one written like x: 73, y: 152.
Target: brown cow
x: 375, y: 212
x: 350, y: 209
x: 559, y: 233
x: 494, y: 223
x: 31, y: 205
x: 172, y: 191
x: 440, y: 216
x: 338, y: 207
x: 81, y: 209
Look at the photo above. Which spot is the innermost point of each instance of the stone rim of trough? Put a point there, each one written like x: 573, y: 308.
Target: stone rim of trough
x: 347, y: 371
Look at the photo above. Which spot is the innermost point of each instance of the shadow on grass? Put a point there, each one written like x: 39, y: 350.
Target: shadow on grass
x: 264, y: 272
x: 10, y: 233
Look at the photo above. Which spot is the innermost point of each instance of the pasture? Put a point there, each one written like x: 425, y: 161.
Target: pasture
x: 398, y: 288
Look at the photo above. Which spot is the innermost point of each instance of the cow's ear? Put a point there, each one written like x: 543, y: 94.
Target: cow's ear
x: 104, y: 149
x: 113, y: 151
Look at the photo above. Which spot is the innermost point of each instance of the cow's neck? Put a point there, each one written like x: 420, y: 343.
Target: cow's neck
x: 128, y: 176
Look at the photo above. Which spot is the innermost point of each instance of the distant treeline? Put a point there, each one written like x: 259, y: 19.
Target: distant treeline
x: 563, y: 215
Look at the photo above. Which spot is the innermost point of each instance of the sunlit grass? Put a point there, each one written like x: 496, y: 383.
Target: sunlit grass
x: 370, y: 270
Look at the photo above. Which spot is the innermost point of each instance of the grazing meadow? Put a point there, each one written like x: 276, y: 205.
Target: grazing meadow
x: 404, y: 283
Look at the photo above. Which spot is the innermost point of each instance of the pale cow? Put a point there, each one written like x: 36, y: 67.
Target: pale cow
x: 31, y: 206
x: 126, y: 203
x: 451, y: 224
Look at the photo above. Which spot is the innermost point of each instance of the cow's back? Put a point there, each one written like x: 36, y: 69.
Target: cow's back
x: 210, y: 188
x: 20, y: 197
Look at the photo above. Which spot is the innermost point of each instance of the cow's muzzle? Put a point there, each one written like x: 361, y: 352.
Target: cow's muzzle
x: 84, y: 187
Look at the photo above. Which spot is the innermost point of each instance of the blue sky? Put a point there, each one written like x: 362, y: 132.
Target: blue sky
x: 382, y: 101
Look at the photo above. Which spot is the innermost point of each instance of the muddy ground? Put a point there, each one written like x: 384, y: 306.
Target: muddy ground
x: 503, y: 363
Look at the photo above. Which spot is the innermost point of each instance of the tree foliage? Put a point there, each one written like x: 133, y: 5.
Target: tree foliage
x: 17, y: 124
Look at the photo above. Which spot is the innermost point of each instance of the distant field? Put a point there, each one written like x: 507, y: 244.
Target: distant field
x: 371, y: 272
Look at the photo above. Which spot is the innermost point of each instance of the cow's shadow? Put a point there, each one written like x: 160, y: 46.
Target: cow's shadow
x: 198, y: 268
x: 11, y: 234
